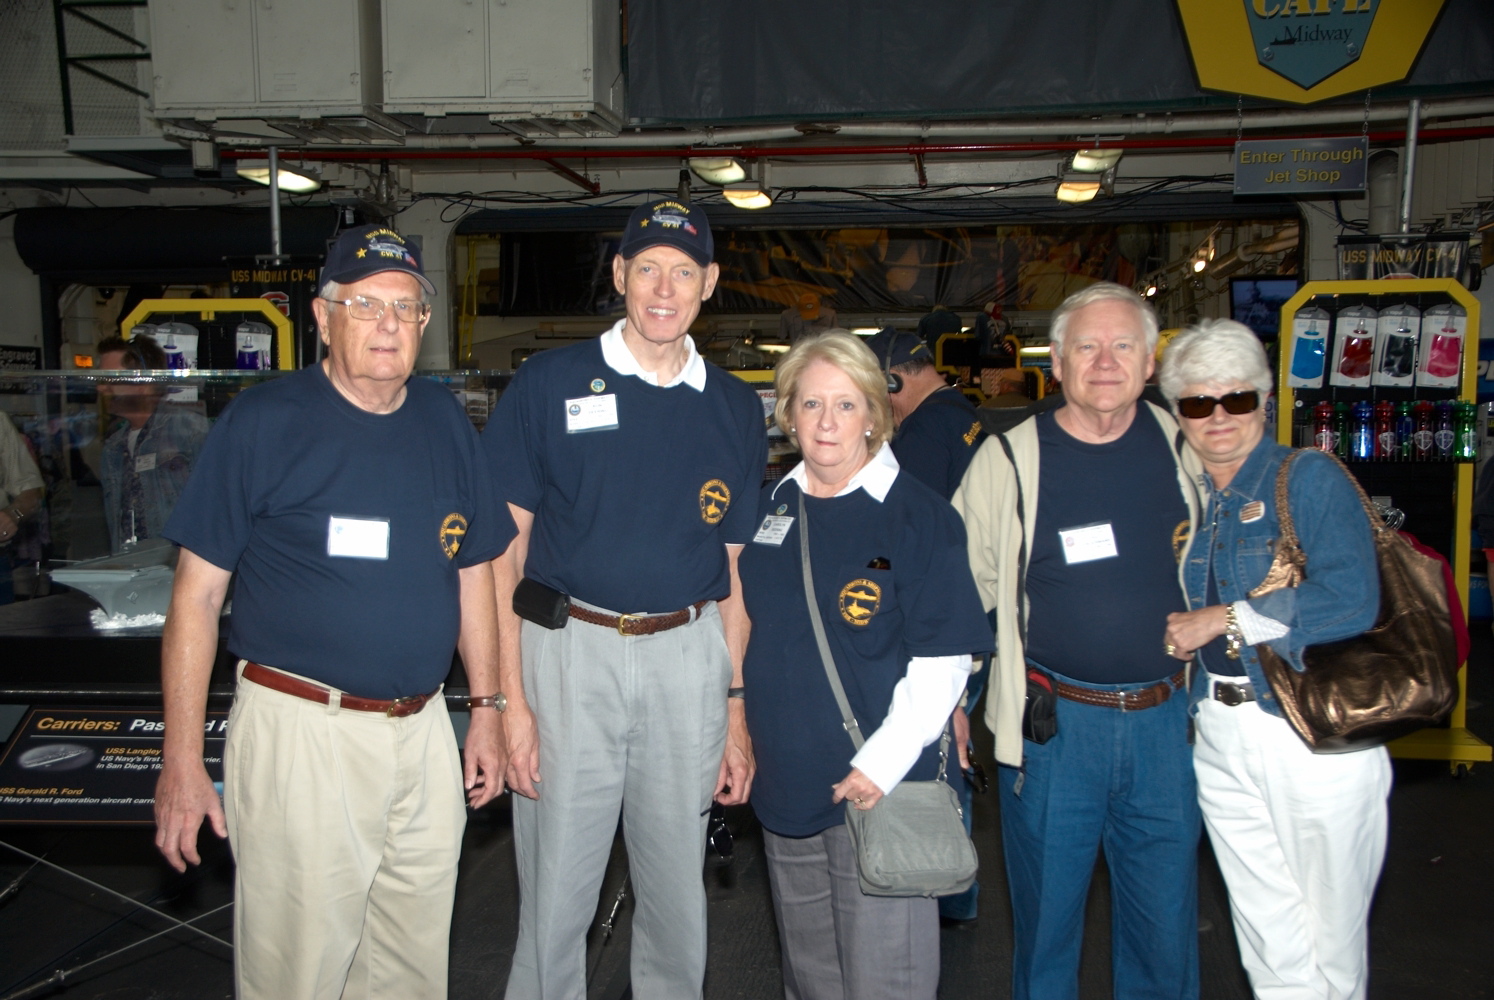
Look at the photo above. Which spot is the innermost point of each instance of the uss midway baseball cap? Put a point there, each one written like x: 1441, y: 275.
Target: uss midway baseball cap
x: 362, y: 251
x: 893, y: 348
x: 669, y: 223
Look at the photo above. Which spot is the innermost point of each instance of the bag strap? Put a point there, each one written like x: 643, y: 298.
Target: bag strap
x: 1006, y: 448
x: 832, y: 672
x: 1289, y: 539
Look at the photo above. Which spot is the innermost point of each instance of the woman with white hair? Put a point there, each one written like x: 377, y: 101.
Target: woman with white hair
x: 1300, y: 837
x: 901, y: 617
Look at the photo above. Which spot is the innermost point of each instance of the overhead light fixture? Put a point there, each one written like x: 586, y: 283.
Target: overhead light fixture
x: 718, y: 169
x: 1095, y: 161
x: 747, y: 194
x: 1035, y: 352
x: 1151, y: 289
x: 773, y: 348
x: 1075, y: 191
x: 301, y: 180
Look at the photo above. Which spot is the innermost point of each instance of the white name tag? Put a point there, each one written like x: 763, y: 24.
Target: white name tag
x: 144, y: 463
x: 591, y: 413
x: 773, y: 531
x: 1088, y: 543
x: 358, y: 537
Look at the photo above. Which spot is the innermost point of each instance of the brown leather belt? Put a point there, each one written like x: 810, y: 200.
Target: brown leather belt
x: 1127, y: 701
x: 397, y: 708
x: 638, y: 624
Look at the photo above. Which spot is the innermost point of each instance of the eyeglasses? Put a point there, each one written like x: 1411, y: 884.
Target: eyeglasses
x: 1199, y: 407
x: 364, y: 308
x: 719, y: 835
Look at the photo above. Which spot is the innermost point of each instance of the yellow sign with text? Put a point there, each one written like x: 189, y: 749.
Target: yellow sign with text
x: 1301, y: 51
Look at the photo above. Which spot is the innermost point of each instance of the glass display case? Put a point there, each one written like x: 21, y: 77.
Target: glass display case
x: 91, y: 574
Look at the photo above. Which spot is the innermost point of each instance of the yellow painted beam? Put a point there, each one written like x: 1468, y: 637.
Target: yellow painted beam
x: 207, y: 309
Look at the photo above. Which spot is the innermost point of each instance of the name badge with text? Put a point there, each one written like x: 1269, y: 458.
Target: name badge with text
x: 145, y: 463
x: 358, y: 537
x: 591, y: 413
x: 1087, y: 543
x: 773, y: 531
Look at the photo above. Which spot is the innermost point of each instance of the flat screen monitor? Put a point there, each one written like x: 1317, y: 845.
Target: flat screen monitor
x: 1257, y: 302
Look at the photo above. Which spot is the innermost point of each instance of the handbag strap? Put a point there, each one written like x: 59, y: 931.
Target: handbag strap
x: 832, y: 672
x: 1289, y: 540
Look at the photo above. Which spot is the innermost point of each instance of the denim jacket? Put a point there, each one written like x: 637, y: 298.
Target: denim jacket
x: 174, y: 435
x: 1340, y: 594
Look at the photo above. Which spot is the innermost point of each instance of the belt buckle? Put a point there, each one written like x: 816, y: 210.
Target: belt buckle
x: 1120, y: 699
x: 1229, y: 694
x: 623, y: 620
x: 399, y: 708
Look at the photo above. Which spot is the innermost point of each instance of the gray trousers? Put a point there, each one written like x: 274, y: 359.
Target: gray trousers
x: 839, y: 943
x: 635, y: 724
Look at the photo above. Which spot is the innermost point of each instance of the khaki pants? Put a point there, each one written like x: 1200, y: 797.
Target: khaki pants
x: 346, y: 828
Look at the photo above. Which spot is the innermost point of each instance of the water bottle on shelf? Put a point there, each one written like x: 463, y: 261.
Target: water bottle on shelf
x: 1341, y: 431
x: 1362, y: 433
x: 1385, y: 440
x: 1405, y: 433
x: 1465, y: 430
x: 1425, y: 414
x: 1322, y: 427
x: 1445, y: 437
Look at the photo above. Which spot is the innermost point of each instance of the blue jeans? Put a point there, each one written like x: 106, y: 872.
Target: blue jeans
x: 1124, y: 781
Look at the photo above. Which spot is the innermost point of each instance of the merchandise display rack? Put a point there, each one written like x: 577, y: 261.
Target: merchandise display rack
x: 1455, y: 744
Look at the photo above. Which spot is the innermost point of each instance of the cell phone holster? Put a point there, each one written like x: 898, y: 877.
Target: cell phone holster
x: 545, y: 606
x: 1040, y: 715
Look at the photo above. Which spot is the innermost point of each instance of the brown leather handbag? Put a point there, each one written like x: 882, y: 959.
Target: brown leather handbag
x: 1400, y: 676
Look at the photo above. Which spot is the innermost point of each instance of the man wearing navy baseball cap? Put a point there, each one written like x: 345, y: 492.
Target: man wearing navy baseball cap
x: 356, y: 509
x: 630, y: 466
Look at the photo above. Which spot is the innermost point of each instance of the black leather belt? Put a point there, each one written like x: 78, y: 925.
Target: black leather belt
x: 1231, y: 694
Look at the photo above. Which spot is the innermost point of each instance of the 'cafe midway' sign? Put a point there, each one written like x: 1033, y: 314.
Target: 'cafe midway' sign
x: 1304, y: 50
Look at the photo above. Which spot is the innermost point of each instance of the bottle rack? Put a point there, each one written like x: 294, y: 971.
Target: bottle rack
x: 1437, y: 496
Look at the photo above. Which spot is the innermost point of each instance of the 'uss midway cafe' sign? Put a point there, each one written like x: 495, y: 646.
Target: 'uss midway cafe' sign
x: 1300, y: 166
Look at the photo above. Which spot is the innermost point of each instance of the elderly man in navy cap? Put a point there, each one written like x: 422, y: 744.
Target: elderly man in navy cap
x: 631, y: 467
x: 354, y: 505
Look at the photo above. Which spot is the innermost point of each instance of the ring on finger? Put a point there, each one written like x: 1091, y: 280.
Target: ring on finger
x: 1171, y: 649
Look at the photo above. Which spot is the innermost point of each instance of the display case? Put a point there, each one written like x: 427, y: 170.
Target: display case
x: 91, y: 573
x: 1383, y: 373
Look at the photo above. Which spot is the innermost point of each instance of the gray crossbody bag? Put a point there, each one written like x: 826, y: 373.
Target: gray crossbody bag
x: 913, y: 841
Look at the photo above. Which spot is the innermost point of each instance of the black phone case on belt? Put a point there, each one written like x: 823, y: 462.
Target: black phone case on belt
x: 545, y: 606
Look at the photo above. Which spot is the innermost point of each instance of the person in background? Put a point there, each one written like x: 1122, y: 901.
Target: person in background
x: 629, y: 465
x: 21, y: 490
x: 938, y: 432
x: 148, y: 457
x: 352, y: 503
x: 1079, y: 519
x: 936, y: 324
x: 1299, y: 836
x: 808, y: 315
x: 902, y: 618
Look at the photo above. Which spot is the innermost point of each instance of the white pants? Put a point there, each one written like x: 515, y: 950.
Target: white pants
x: 346, y: 828
x: 1300, y: 838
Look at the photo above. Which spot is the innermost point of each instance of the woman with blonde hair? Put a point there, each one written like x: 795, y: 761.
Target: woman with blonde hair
x: 901, y: 618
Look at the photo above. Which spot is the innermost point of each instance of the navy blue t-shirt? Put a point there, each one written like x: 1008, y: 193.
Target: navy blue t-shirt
x: 1102, y: 621
x: 634, y: 519
x: 936, y: 442
x: 287, y: 457
x: 924, y: 604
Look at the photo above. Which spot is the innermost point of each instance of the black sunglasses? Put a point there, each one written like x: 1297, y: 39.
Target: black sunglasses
x: 1199, y: 407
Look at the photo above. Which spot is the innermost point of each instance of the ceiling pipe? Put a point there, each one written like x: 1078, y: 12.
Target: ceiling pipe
x: 547, y: 153
x: 1413, y: 120
x: 1140, y: 124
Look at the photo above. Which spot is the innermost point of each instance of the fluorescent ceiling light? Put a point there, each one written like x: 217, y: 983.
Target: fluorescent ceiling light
x: 718, y: 169
x: 773, y: 348
x: 1095, y: 161
x: 1033, y: 352
x: 866, y: 331
x: 747, y: 194
x: 298, y: 181
x: 1075, y: 191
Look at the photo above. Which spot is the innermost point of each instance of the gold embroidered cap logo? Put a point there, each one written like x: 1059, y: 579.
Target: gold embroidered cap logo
x: 859, y: 601
x: 715, y: 498
x: 453, y: 530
